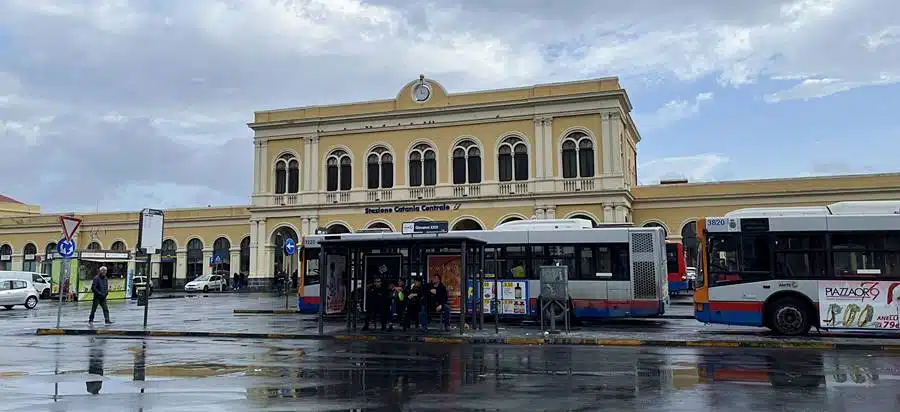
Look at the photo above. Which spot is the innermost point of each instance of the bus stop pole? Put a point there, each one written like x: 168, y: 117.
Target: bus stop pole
x: 464, y: 286
x: 323, y: 286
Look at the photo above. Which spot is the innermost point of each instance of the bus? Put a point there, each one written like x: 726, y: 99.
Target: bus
x: 613, y: 271
x: 789, y: 269
x: 677, y: 268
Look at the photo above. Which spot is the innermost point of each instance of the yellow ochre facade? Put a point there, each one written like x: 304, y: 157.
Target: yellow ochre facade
x: 475, y: 160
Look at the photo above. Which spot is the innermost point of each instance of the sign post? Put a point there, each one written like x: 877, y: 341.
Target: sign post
x: 290, y: 247
x: 66, y: 249
x: 150, y: 237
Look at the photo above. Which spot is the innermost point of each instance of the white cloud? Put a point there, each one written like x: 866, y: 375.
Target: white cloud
x: 698, y: 168
x: 671, y: 112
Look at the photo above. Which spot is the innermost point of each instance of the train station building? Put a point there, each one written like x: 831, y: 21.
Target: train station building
x: 476, y: 160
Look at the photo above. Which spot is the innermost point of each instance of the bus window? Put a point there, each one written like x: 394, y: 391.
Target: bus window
x: 755, y: 253
x: 672, y: 258
x: 515, y: 262
x: 865, y: 254
x: 800, y: 256
x: 554, y: 256
x: 723, y: 257
x: 311, y: 257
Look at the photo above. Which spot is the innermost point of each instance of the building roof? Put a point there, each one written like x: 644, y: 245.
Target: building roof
x: 7, y: 199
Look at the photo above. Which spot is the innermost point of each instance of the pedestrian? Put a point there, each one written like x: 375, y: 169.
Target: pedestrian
x: 398, y: 303
x: 378, y: 304
x: 413, y: 305
x: 438, y: 303
x: 100, y: 289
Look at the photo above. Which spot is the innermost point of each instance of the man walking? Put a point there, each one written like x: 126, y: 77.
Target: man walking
x: 100, y: 288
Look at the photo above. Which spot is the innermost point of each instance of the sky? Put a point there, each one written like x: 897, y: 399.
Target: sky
x: 125, y: 104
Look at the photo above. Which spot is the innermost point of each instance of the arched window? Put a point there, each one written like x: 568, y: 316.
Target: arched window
x: 510, y: 219
x: 466, y: 163
x: 287, y: 174
x: 194, y: 259
x: 222, y: 254
x: 467, y: 224
x: 245, y: 255
x: 585, y: 217
x: 338, y: 171
x: 691, y: 245
x: 657, y: 224
x: 169, y: 249
x: 5, y: 257
x: 337, y: 228
x: 47, y: 263
x: 118, y: 246
x: 29, y: 252
x: 512, y: 159
x: 379, y: 169
x: 422, y: 166
x: 577, y: 156
x: 380, y: 226
x: 94, y: 246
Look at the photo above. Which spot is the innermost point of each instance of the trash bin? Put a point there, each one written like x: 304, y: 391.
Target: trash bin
x: 142, y: 293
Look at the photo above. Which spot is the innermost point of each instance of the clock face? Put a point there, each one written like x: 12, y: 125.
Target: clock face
x: 421, y: 93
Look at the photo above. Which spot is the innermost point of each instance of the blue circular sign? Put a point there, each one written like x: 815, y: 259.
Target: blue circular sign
x: 66, y: 248
x: 290, y: 246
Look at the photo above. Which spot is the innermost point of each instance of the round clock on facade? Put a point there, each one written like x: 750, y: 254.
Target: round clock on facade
x: 421, y: 92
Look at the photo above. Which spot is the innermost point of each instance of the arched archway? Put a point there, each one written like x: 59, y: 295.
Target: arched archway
x: 380, y: 226
x: 168, y: 260
x: 337, y: 228
x: 660, y: 225
x: 194, y: 259
x: 29, y: 264
x: 280, y: 262
x: 691, y: 245
x: 118, y: 246
x: 585, y: 217
x: 245, y: 255
x: 5, y: 257
x: 509, y: 219
x: 47, y: 263
x: 222, y: 254
x: 467, y: 224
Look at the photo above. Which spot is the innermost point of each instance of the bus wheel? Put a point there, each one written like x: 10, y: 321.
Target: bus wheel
x: 789, y: 317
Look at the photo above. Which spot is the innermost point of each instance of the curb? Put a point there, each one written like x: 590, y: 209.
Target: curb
x: 479, y: 340
x: 268, y: 312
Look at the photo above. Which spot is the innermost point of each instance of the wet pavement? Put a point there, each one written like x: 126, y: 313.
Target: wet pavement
x: 111, y: 374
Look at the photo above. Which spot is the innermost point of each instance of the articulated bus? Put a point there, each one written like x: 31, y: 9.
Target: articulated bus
x: 790, y: 269
x: 613, y: 271
x: 677, y: 268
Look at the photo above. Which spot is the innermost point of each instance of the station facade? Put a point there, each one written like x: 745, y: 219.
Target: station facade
x: 476, y: 160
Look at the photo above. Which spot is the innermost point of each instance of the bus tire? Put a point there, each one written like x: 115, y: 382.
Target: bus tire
x: 790, y: 317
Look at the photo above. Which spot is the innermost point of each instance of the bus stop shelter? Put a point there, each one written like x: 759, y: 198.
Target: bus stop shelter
x: 391, y: 256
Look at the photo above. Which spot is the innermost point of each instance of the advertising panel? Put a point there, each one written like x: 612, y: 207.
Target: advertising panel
x: 448, y: 267
x: 859, y: 305
x: 513, y: 297
x: 335, y: 297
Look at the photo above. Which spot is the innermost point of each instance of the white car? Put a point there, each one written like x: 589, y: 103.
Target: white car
x: 14, y: 292
x: 40, y: 281
x: 206, y: 283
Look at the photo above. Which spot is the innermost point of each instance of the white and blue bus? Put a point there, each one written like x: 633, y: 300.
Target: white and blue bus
x: 614, y: 272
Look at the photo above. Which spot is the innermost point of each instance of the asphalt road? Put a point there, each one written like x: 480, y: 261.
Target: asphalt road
x: 113, y: 374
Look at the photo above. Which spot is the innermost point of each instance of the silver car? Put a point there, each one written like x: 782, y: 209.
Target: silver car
x: 15, y: 292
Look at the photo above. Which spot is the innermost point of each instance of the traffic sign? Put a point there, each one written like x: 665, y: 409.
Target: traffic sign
x: 66, y: 248
x: 69, y: 225
x: 290, y: 246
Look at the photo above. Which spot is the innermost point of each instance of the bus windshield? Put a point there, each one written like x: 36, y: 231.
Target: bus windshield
x: 672, y: 257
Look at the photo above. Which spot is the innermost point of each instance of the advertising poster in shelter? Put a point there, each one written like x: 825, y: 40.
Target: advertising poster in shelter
x: 336, y: 273
x: 859, y: 305
x: 449, y: 268
x: 385, y: 267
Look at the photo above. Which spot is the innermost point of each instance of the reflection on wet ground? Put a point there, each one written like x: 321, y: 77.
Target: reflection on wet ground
x: 105, y: 374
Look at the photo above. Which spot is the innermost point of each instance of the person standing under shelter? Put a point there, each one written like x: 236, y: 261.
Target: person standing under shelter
x: 100, y: 289
x: 439, y: 302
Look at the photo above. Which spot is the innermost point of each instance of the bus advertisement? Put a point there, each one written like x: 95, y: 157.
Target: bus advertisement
x: 613, y: 271
x: 790, y: 269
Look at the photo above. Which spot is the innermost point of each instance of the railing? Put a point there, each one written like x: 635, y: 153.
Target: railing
x: 446, y: 192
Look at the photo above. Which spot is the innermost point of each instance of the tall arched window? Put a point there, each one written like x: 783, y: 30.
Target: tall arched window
x: 47, y: 263
x: 245, y: 255
x: 118, y: 246
x: 512, y: 159
x: 222, y: 254
x: 338, y: 171
x: 422, y: 166
x: 379, y: 169
x: 94, y: 246
x: 577, y: 156
x: 659, y: 225
x: 287, y: 174
x: 466, y: 163
x: 30, y: 253
x: 194, y: 259
x: 5, y: 257
x: 169, y: 249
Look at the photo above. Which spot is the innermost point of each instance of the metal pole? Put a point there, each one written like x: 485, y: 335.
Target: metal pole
x: 62, y: 281
x: 147, y: 288
x: 323, y: 286
x: 287, y: 280
x: 464, y: 298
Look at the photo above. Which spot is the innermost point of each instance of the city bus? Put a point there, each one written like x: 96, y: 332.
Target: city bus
x: 677, y: 268
x: 789, y: 269
x: 613, y: 271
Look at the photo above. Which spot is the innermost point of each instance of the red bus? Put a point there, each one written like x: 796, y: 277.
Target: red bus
x: 677, y: 268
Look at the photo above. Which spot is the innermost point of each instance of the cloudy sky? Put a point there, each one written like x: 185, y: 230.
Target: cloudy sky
x: 124, y: 104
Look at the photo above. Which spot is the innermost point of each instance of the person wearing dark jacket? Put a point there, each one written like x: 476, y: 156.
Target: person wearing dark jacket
x: 378, y: 304
x: 439, y: 302
x: 100, y: 288
x: 414, y: 296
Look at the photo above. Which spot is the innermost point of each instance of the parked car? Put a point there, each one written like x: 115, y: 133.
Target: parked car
x: 40, y: 281
x: 207, y: 283
x: 14, y: 292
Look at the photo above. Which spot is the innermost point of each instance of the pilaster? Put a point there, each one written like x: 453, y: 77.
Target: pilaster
x: 608, y: 214
x: 549, y: 149
x: 538, y: 151
x: 180, y: 268
x: 207, y: 255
